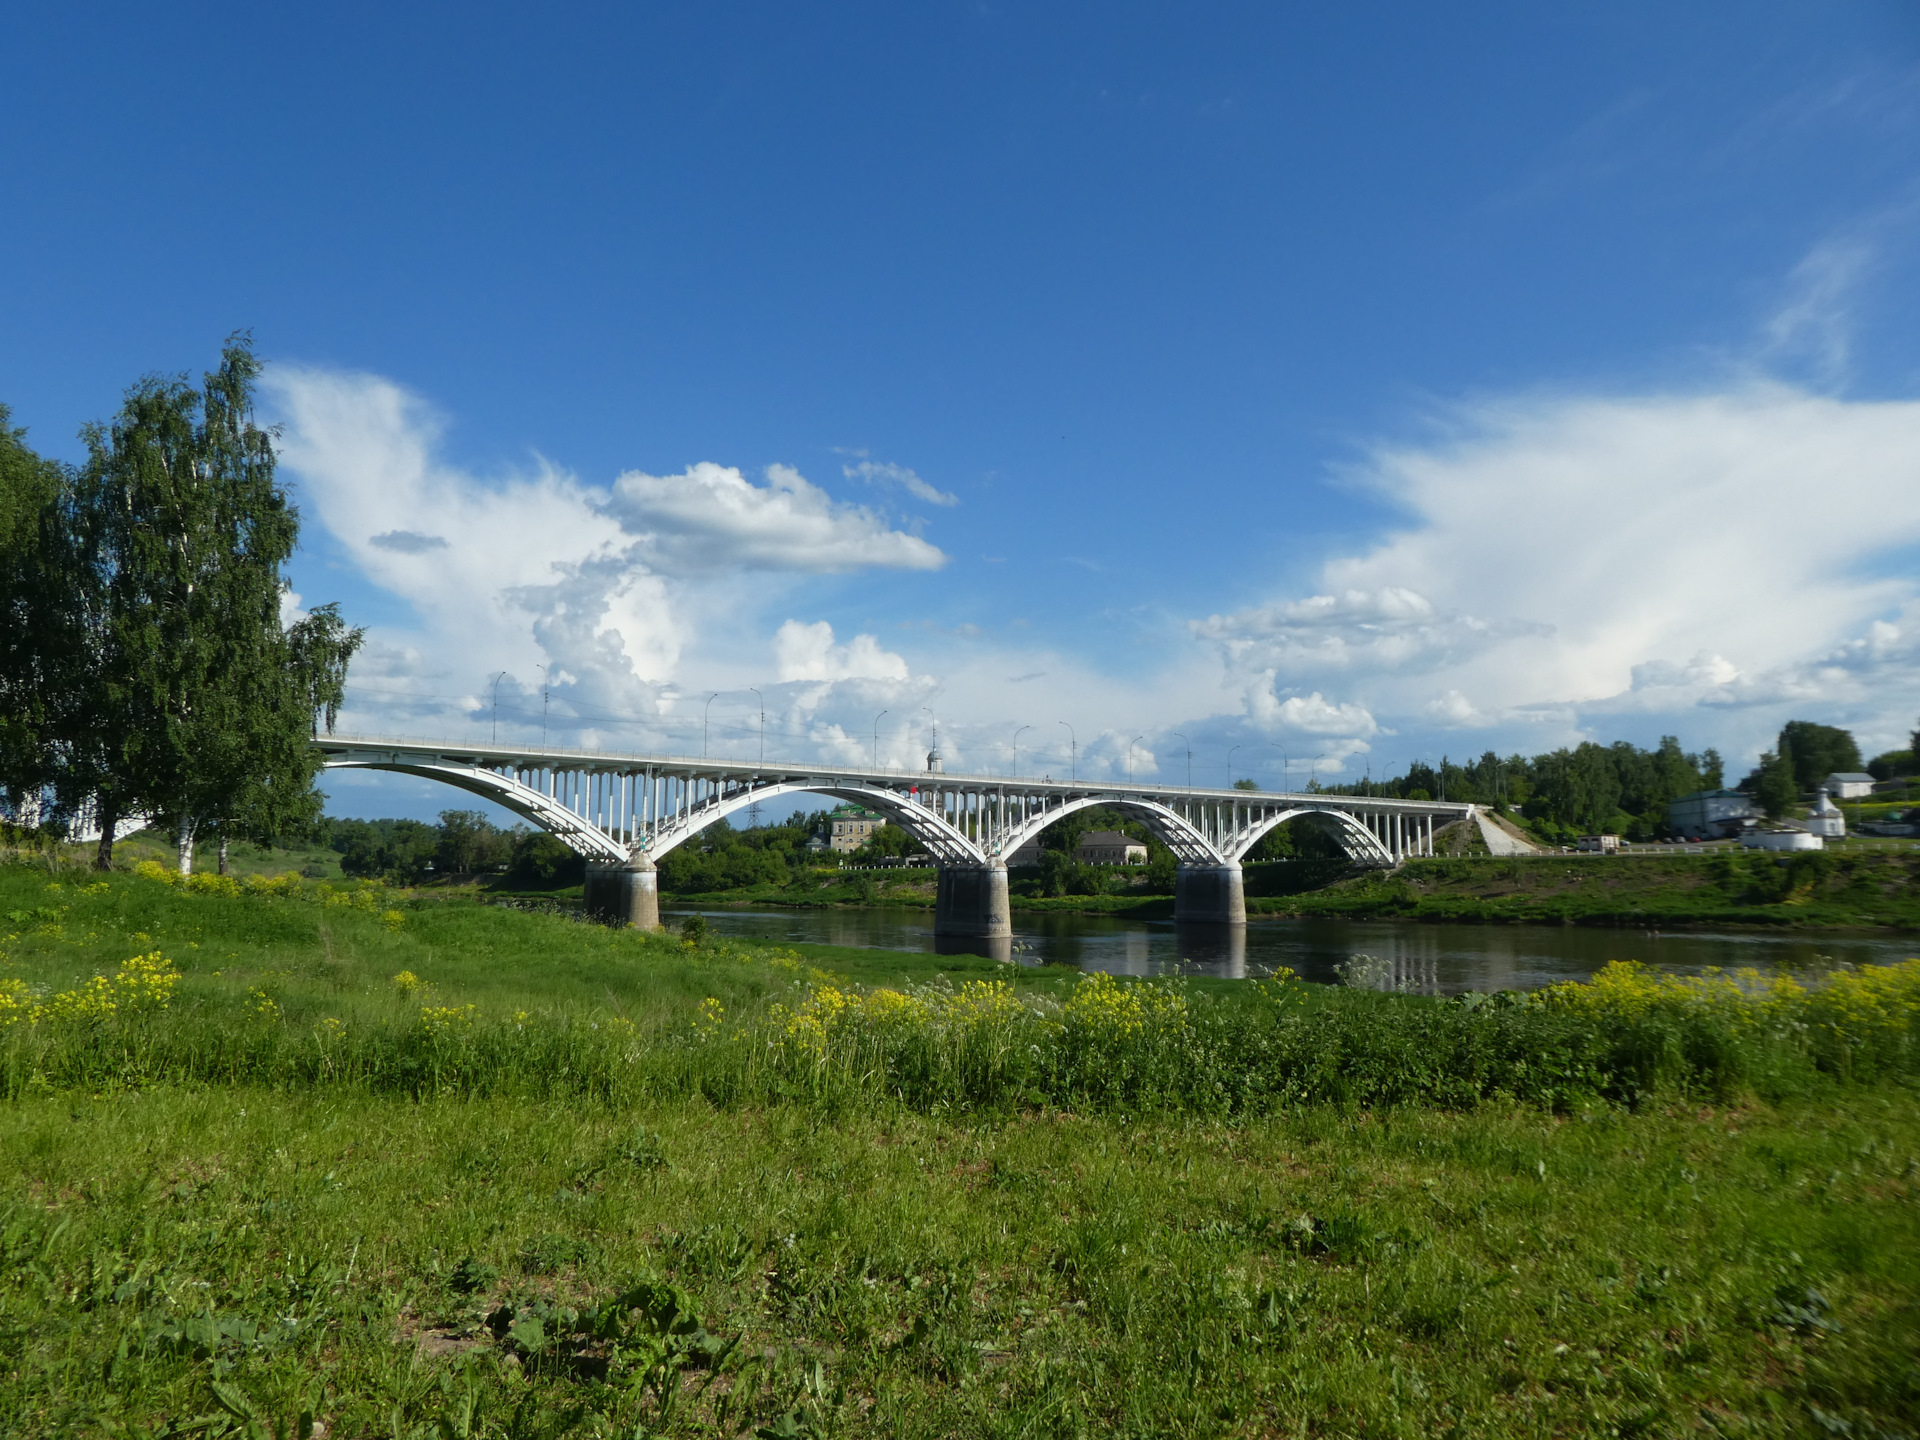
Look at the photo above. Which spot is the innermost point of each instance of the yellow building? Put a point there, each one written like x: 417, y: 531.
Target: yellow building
x: 853, y: 826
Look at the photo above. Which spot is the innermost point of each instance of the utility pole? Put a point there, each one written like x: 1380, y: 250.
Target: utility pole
x: 496, y: 705
x: 1073, y: 754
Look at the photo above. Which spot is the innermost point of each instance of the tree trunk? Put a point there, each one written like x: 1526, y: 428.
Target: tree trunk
x: 186, y: 847
x: 223, y: 854
x: 109, y: 815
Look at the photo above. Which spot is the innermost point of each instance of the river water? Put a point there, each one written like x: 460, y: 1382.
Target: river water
x: 1424, y: 958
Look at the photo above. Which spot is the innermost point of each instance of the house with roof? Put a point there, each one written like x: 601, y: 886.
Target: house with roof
x: 1110, y: 847
x: 1848, y: 785
x: 852, y: 826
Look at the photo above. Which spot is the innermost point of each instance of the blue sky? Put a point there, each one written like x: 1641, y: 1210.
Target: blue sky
x: 1350, y: 383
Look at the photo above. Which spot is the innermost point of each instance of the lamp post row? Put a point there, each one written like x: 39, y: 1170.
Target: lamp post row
x: 1073, y: 739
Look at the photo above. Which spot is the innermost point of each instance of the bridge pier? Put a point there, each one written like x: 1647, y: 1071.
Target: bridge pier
x: 1209, y: 894
x: 626, y: 894
x: 971, y: 901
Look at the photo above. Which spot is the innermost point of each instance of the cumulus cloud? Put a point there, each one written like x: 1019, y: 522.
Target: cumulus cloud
x: 592, y: 593
x: 712, y: 517
x: 1577, y: 556
x: 808, y: 652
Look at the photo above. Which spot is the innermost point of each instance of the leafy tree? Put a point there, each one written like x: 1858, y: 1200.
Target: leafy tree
x: 41, y: 636
x: 1713, y: 770
x: 543, y: 861
x: 1818, y: 751
x: 198, y: 703
x: 1246, y: 784
x: 469, y: 842
x: 888, y: 842
x: 1774, y: 789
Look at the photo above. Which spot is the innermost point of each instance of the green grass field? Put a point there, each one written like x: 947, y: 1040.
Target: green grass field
x: 651, y: 1187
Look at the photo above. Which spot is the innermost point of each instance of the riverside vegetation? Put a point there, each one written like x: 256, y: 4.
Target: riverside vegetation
x: 280, y: 1154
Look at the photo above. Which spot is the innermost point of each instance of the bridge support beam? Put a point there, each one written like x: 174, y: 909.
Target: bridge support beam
x: 626, y: 894
x: 972, y: 901
x: 1209, y: 894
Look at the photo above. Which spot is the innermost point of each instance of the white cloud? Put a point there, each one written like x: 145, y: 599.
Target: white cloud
x: 808, y: 652
x: 712, y: 517
x: 1569, y: 556
x: 603, y: 587
x: 880, y: 472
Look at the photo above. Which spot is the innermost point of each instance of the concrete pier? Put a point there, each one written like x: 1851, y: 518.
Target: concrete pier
x: 972, y: 901
x: 626, y: 894
x: 1209, y: 894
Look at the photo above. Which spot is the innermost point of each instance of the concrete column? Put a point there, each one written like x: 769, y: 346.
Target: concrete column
x: 972, y: 901
x: 640, y: 882
x: 1212, y: 894
x: 623, y: 894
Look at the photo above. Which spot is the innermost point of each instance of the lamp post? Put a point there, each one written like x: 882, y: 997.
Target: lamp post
x: 1285, y: 764
x: 1073, y: 753
x: 1189, y: 744
x: 1130, y: 744
x: 546, y: 690
x: 927, y: 710
x: 1016, y: 749
x: 496, y: 705
x: 763, y: 723
x: 1230, y: 766
x: 703, y: 722
x: 876, y: 737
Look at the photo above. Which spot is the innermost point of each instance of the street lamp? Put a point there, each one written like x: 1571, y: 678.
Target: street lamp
x: 546, y: 690
x: 496, y: 705
x: 876, y: 737
x: 927, y: 710
x: 703, y: 722
x: 1285, y: 764
x: 1016, y: 749
x: 1184, y: 741
x: 1073, y: 754
x: 763, y: 723
x: 1130, y: 744
x: 1230, y: 767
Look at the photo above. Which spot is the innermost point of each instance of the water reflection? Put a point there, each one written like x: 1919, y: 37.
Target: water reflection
x: 1426, y: 959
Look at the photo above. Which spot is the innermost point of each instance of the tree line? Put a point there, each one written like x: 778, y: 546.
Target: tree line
x: 146, y: 667
x: 1621, y: 788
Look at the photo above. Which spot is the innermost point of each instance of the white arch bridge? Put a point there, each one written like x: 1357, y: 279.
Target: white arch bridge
x: 623, y: 812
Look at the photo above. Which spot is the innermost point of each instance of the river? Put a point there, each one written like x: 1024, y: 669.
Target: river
x: 1423, y: 958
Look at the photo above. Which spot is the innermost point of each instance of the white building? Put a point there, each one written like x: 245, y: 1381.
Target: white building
x: 1849, y: 785
x: 1825, y: 819
x: 1782, y: 840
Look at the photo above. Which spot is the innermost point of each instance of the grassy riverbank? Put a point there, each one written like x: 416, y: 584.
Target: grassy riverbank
x: 428, y: 1167
x: 1816, y: 890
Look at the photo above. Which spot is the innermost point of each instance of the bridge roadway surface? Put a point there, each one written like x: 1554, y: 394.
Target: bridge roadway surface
x: 622, y: 812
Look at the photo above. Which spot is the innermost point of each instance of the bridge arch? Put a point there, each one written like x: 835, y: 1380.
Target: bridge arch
x: 944, y: 843
x: 1188, y: 845
x: 1359, y: 842
x: 531, y: 805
